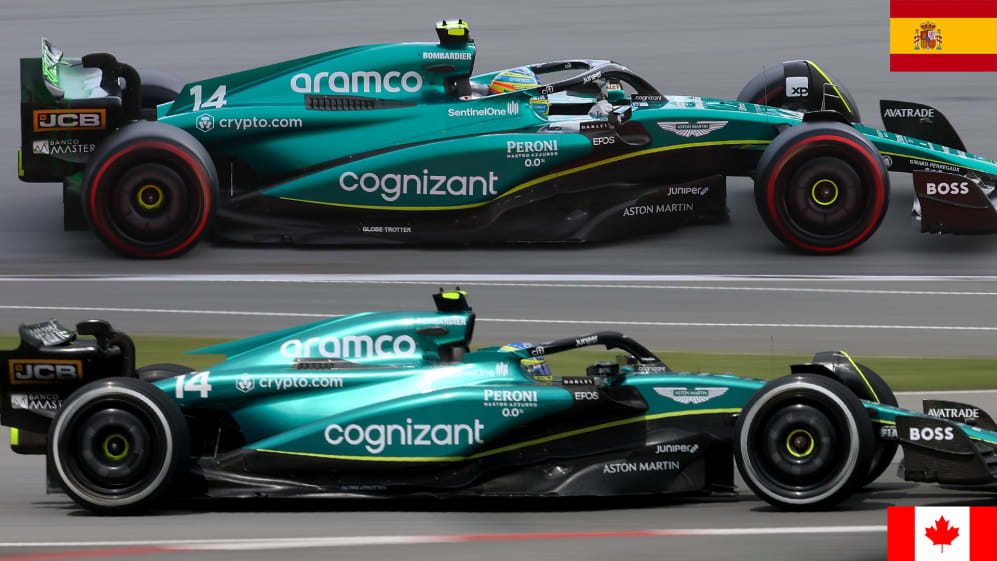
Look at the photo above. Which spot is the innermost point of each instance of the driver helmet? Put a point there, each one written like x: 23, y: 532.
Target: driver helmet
x: 521, y: 78
x: 534, y: 366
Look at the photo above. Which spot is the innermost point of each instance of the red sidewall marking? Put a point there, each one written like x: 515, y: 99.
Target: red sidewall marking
x: 770, y: 192
x: 121, y: 244
x: 85, y: 554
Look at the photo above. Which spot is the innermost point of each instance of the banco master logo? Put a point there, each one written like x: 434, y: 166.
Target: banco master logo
x: 687, y: 396
x: 358, y: 82
x: 376, y: 437
x: 350, y: 346
x: 393, y: 185
x: 44, y: 371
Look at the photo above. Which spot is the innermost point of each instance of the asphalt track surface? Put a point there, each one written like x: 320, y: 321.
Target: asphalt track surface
x: 706, y: 48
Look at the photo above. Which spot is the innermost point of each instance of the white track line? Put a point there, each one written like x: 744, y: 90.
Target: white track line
x: 352, y: 541
x: 501, y: 281
x: 523, y: 320
x: 530, y: 278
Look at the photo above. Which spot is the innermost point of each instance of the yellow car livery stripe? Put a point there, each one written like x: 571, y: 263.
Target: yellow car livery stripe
x: 543, y: 178
x: 510, y: 447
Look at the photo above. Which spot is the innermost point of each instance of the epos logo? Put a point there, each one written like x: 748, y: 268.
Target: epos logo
x: 947, y: 188
x: 25, y: 371
x: 46, y: 120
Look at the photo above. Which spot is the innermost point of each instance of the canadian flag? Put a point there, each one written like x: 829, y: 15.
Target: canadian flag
x: 944, y: 533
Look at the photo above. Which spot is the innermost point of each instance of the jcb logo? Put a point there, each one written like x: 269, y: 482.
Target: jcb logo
x: 44, y: 371
x: 69, y: 119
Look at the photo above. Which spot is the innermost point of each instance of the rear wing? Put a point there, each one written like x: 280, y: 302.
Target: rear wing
x: 68, y: 106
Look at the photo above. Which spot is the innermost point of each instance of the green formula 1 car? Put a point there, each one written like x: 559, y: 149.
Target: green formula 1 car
x: 397, y: 405
x: 403, y: 143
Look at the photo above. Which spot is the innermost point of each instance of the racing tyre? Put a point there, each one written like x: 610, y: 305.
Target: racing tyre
x: 884, y: 450
x: 804, y: 442
x: 150, y: 191
x: 118, y: 445
x: 157, y: 87
x: 161, y: 371
x: 821, y: 187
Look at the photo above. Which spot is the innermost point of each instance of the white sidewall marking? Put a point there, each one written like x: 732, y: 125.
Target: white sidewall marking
x: 73, y: 407
x: 853, y: 450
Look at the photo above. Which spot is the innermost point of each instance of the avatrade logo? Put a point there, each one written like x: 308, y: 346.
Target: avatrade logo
x: 350, y: 346
x: 909, y: 112
x: 46, y: 120
x: 358, y: 82
x: 393, y: 185
x: 376, y: 437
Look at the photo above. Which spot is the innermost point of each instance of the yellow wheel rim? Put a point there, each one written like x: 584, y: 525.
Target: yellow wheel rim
x: 110, y: 453
x: 817, y: 199
x: 150, y: 197
x: 789, y: 441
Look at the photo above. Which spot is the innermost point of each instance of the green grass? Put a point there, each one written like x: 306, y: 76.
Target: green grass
x: 900, y: 373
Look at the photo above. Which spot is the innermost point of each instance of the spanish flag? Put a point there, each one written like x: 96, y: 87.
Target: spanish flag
x: 943, y: 35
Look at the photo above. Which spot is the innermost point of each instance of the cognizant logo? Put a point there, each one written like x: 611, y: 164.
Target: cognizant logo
x: 376, y: 437
x: 350, y: 346
x: 357, y: 82
x: 394, y: 185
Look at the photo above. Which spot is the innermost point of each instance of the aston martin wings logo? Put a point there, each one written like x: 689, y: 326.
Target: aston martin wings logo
x: 690, y: 129
x: 687, y: 396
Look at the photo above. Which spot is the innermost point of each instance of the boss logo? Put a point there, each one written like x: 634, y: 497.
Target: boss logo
x: 929, y: 433
x: 603, y: 140
x: 47, y: 120
x: 948, y: 188
x: 44, y: 371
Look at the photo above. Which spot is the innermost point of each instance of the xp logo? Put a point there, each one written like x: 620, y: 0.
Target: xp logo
x: 46, y: 120
x: 245, y: 383
x: 44, y: 371
x: 797, y: 86
x: 205, y: 123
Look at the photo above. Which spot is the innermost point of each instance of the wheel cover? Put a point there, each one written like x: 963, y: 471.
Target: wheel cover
x: 150, y: 197
x: 819, y: 474
x: 79, y: 435
x: 824, y: 192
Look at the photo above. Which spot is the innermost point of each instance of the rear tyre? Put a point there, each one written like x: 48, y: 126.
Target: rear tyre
x: 884, y: 450
x: 161, y: 371
x: 804, y: 442
x: 150, y: 191
x: 157, y: 87
x: 821, y: 187
x: 118, y: 445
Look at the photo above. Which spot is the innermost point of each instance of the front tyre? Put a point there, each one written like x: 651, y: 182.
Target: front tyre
x: 150, y: 191
x: 884, y: 450
x: 803, y: 442
x: 118, y: 445
x: 821, y: 187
